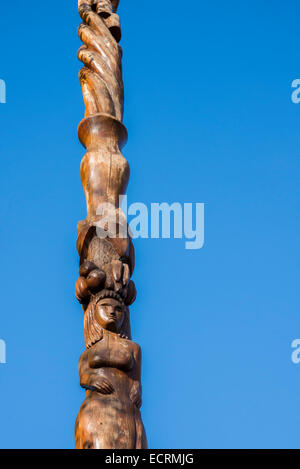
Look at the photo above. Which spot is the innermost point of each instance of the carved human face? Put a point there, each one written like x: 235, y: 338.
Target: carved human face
x: 110, y: 314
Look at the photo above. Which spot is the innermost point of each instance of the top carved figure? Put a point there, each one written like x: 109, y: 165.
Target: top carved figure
x: 101, y: 78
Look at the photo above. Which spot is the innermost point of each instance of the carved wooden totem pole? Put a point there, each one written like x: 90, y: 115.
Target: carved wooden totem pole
x: 110, y: 367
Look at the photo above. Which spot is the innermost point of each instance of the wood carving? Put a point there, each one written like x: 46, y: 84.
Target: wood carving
x: 110, y: 367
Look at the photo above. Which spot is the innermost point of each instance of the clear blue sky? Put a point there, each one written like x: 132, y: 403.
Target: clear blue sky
x: 210, y: 119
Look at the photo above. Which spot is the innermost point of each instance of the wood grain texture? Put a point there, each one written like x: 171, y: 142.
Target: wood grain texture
x: 110, y: 367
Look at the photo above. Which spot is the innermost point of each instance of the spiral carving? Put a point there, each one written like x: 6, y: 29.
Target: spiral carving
x: 101, y: 76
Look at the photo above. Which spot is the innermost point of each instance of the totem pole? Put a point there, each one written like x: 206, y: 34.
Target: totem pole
x: 110, y: 367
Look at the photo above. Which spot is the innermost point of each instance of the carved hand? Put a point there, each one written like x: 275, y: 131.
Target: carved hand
x: 103, y: 386
x: 123, y: 336
x: 136, y: 396
x: 117, y: 275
